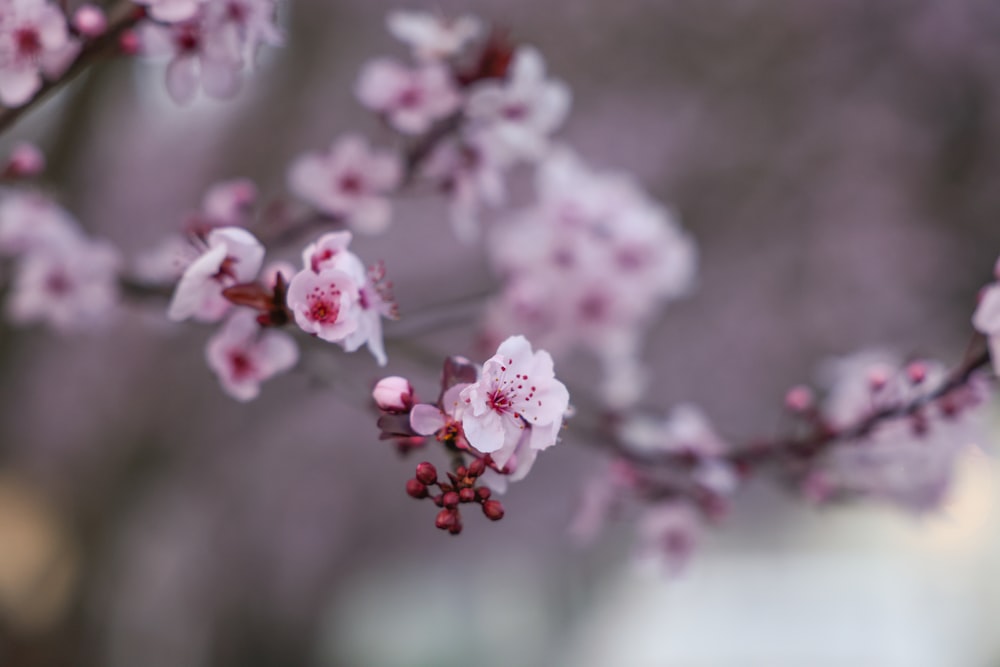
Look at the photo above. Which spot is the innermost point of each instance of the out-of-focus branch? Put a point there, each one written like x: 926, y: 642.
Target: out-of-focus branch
x: 123, y: 16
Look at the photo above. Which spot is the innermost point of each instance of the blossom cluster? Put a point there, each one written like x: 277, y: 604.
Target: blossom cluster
x: 35, y: 43
x: 501, y: 415
x: 60, y: 276
x: 209, y: 43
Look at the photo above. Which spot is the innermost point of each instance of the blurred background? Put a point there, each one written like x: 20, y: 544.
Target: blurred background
x: 838, y: 162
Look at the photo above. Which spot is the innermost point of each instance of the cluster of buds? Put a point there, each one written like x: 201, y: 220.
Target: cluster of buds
x: 460, y: 488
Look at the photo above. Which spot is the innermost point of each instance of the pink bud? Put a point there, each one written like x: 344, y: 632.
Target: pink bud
x: 129, y: 43
x: 917, y: 372
x: 90, y: 21
x: 25, y: 161
x: 393, y: 394
x: 799, y: 398
x: 877, y: 379
x: 477, y: 468
x: 493, y: 510
x: 427, y: 473
x: 416, y: 489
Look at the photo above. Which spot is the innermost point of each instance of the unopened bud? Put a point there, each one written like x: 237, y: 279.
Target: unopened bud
x: 393, y: 394
x: 799, y: 398
x: 467, y: 495
x: 878, y: 378
x: 90, y: 21
x: 416, y: 489
x: 917, y: 372
x: 445, y: 519
x: 493, y: 510
x: 129, y: 43
x: 450, y: 500
x: 461, y: 471
x: 455, y: 528
x: 483, y: 493
x: 427, y: 473
x: 477, y: 468
x: 25, y: 161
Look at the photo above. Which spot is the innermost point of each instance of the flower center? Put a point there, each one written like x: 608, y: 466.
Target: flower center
x: 29, y: 44
x: 352, y: 183
x: 323, y: 309
x: 241, y: 364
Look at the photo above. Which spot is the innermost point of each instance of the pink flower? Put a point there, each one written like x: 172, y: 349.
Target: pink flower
x: 33, y: 37
x: 232, y: 256
x: 517, y: 391
x: 324, y: 303
x: 244, y: 23
x: 411, y: 99
x: 986, y: 320
x: 350, y: 180
x: 172, y: 11
x: 668, y: 536
x: 72, y: 286
x: 229, y: 203
x: 29, y: 221
x: 330, y: 252
x: 243, y: 355
x: 522, y: 111
x: 432, y: 37
x: 393, y: 394
x: 90, y: 20
x: 199, y: 59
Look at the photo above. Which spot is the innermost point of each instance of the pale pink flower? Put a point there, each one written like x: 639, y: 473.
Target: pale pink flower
x: 523, y: 111
x: 668, y: 535
x: 986, y: 320
x: 349, y: 181
x: 325, y: 303
x: 200, y: 59
x: 172, y: 11
x: 517, y: 391
x: 411, y: 99
x: 33, y: 37
x: 330, y: 252
x: 393, y: 394
x: 243, y: 355
x: 244, y: 24
x: 30, y: 221
x: 232, y: 256
x: 90, y: 20
x: 229, y: 203
x: 430, y: 36
x: 71, y: 286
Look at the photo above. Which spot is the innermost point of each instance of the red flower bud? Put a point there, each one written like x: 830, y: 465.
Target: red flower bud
x: 427, y: 473
x: 477, y: 468
x: 483, y: 493
x: 446, y: 519
x: 493, y: 510
x: 467, y: 495
x: 416, y: 489
x: 450, y: 500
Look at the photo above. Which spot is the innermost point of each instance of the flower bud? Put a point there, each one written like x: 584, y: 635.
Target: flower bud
x: 416, y: 489
x: 90, y: 21
x: 129, y: 43
x: 799, y: 399
x: 427, y: 473
x: 483, y: 493
x: 493, y: 510
x: 477, y: 468
x: 467, y: 495
x: 445, y: 519
x: 450, y: 500
x: 25, y: 161
x: 455, y: 528
x: 393, y: 394
x: 917, y: 372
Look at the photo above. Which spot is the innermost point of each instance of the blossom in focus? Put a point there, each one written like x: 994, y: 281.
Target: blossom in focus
x: 243, y: 355
x: 33, y: 38
x: 411, y: 99
x: 324, y: 303
x: 231, y: 256
x: 72, y: 286
x: 523, y: 111
x: 349, y: 181
x: 517, y: 406
x: 430, y: 36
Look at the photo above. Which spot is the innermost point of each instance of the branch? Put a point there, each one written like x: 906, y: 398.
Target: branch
x: 121, y: 18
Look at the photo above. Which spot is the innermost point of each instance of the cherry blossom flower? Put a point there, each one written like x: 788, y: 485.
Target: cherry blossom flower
x: 232, y: 256
x: 430, y: 36
x: 324, y: 303
x: 199, y: 59
x: 517, y: 394
x: 72, y: 286
x: 349, y: 181
x: 411, y: 99
x: 33, y: 37
x: 29, y: 221
x: 226, y: 204
x: 248, y: 24
x: 172, y: 11
x: 393, y: 394
x: 907, y: 460
x: 523, y: 111
x: 668, y: 536
x: 243, y: 355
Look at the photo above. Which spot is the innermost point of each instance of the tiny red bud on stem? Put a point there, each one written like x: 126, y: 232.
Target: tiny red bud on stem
x: 416, y: 489
x: 493, y: 510
x: 427, y: 473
